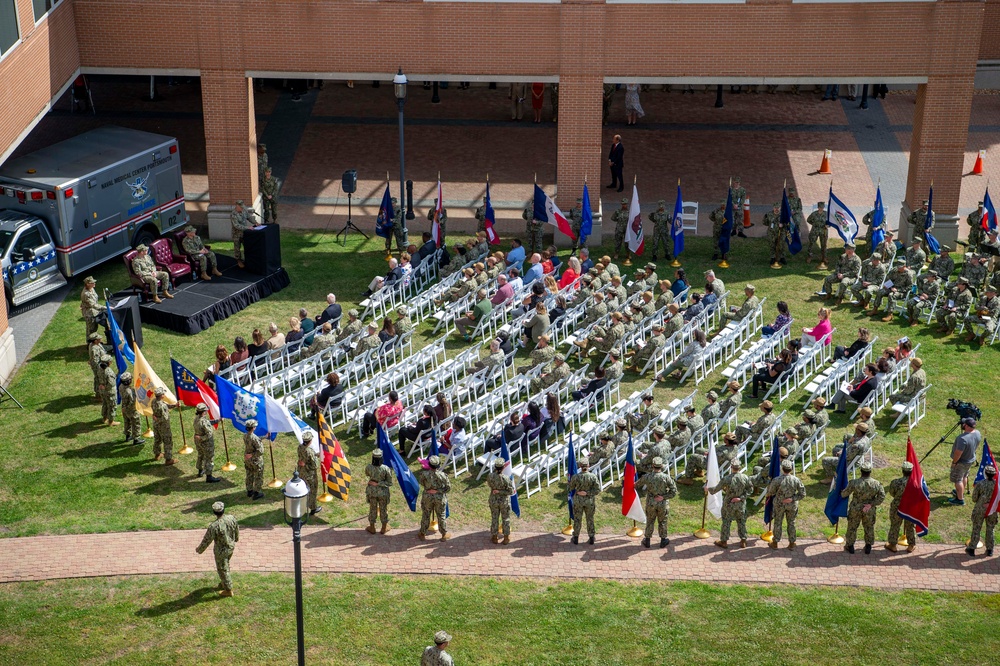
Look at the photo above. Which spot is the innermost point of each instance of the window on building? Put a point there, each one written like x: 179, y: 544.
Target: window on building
x: 8, y: 25
x: 42, y: 7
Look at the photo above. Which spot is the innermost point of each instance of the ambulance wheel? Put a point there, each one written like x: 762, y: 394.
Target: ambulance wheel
x: 144, y: 237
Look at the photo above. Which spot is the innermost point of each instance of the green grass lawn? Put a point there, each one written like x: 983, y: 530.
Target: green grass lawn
x: 61, y: 471
x: 383, y: 620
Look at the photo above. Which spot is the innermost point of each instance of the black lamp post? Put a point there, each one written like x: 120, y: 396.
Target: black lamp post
x: 399, y: 88
x: 296, y: 514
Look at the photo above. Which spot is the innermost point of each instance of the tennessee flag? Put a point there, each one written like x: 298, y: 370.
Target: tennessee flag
x: 631, y: 506
x: 490, y: 218
x: 915, y: 504
x: 336, y: 469
x: 548, y: 212
x: 633, y: 233
x: 987, y: 461
x: 436, y: 226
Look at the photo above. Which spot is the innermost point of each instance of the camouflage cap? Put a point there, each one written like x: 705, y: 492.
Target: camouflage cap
x: 916, y: 240
x: 402, y: 310
x: 925, y: 202
x: 809, y: 414
x: 659, y: 430
x: 621, y: 423
x: 907, y: 467
x: 767, y: 404
x: 377, y: 453
x: 218, y: 507
x: 141, y: 247
x: 605, y: 437
x: 624, y: 201
x: 657, y: 327
x: 865, y: 466
x: 93, y: 337
x: 787, y: 466
x: 126, y: 377
x: 749, y: 287
x: 963, y: 280
x: 876, y: 256
x: 661, y: 203
x: 989, y: 470
x: 89, y: 280
x: 658, y: 462
x: 442, y: 636
x: 202, y: 407
x: 307, y: 436
x: 932, y: 273
x: 251, y: 424
x: 945, y: 248
x: 650, y: 266
x: 262, y: 146
x: 690, y: 408
x: 189, y: 229
x: 713, y: 395
x: 583, y: 463
x: 848, y: 246
x: 561, y: 358
x: 863, y: 427
x: 499, y: 463
x: 819, y: 402
x: 352, y: 313
x: 865, y: 412
x: 820, y: 204
x: 782, y: 452
x: 616, y: 352
x: 239, y: 202
x: 681, y: 421
x: 159, y: 391
x: 434, y: 461
x: 790, y: 432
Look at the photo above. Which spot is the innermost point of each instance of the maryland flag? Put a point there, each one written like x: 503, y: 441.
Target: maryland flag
x: 146, y: 380
x: 336, y: 469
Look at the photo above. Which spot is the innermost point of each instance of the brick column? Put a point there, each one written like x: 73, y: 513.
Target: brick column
x: 580, y: 155
x: 230, y: 145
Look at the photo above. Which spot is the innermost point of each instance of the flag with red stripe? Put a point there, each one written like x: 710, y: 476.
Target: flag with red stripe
x: 436, y: 226
x: 548, y: 212
x: 336, y: 469
x: 633, y: 232
x: 490, y: 218
x: 631, y: 506
x: 915, y: 504
x: 191, y: 390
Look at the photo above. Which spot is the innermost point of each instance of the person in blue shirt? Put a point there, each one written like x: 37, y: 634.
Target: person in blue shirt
x: 534, y: 271
x: 680, y: 282
x: 516, y: 255
x: 586, y: 263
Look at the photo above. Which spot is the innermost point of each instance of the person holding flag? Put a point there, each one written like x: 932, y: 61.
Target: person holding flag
x: 792, y: 236
x: 204, y: 441
x: 584, y: 488
x: 725, y: 231
x: 661, y: 228
x: 785, y: 492
x: 109, y: 392
x: 407, y: 481
x: 986, y: 497
x: 309, y: 470
x: 836, y: 505
x: 866, y: 495
x: 123, y: 352
x: 501, y: 488
x: 915, y: 505
x: 571, y: 471
x: 163, y: 438
x: 434, y: 499
x: 377, y: 492
x: 930, y: 244
x: 896, y: 489
x: 660, y: 489
x: 253, y: 462
x: 633, y: 231
x: 818, y: 235
x: 736, y: 488
x: 677, y: 227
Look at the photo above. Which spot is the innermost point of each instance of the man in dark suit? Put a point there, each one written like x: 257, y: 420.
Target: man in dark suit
x: 593, y: 386
x: 428, y: 247
x: 616, y: 160
x: 331, y: 314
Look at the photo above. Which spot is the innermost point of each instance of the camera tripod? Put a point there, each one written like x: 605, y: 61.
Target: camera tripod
x: 350, y: 225
x: 943, y: 438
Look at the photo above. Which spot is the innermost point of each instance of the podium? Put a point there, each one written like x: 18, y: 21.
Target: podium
x: 262, y: 249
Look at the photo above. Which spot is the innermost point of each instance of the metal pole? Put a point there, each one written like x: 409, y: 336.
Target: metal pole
x: 297, y: 540
x: 718, y: 97
x: 402, y: 168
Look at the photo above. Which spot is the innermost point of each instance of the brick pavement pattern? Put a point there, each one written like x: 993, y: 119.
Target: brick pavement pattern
x: 531, y: 555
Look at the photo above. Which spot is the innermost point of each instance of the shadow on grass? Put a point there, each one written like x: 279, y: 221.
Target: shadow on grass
x: 199, y: 596
x: 60, y: 405
x: 102, y: 450
x: 68, y: 354
x: 72, y: 430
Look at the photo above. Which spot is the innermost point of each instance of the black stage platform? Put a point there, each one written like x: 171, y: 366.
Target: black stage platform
x: 198, y: 305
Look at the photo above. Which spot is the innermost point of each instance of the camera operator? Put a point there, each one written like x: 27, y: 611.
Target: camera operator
x: 963, y: 457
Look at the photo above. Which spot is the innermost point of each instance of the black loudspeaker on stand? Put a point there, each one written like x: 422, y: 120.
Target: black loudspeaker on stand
x: 349, y: 183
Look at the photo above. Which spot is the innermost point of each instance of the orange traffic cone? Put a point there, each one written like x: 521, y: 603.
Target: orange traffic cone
x: 977, y: 170
x: 746, y: 213
x: 824, y: 166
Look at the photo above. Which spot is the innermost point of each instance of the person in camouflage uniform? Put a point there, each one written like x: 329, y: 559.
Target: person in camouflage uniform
x: 928, y: 286
x: 585, y: 486
x: 918, y: 219
x: 323, y: 340
x: 647, y: 451
x: 96, y: 354
x: 718, y: 218
x: 761, y: 478
x: 434, y: 655
x: 787, y: 491
x: 352, y: 327
x: 818, y: 234
x: 403, y: 322
x: 902, y: 283
x: 985, y: 314
x: 377, y: 492
x: 697, y: 461
x: 620, y: 218
x: 661, y: 230
x: 654, y: 344
x: 269, y: 198
x: 896, y: 488
x: 130, y: 416
x: 262, y: 165
x: 747, y: 430
x: 480, y: 216
x: 710, y: 411
x: 559, y: 372
x: 554, y: 97
x: 982, y: 496
x: 795, y: 204
x: 847, y: 270
x: 145, y: 268
x: 857, y: 445
x: 777, y: 233
x: 109, y: 393
x: 204, y: 441
x: 240, y: 221
x: 195, y: 249
x: 400, y: 231
x: 962, y: 300
x: 434, y: 499
x: 976, y: 235
x: 532, y: 229
x: 90, y: 307
x: 736, y: 488
x: 681, y: 436
x: 224, y: 533
x: 253, y: 461
x: 749, y: 304
x: 648, y: 412
x: 873, y: 273
x: 501, y: 488
x: 575, y: 216
x: 739, y: 196
x: 370, y: 341
x: 974, y: 270
x: 943, y: 263
x: 541, y: 355
x: 869, y: 231
x: 310, y: 470
x: 915, y: 257
x: 660, y: 489
x: 694, y: 420
x: 163, y: 439
x: 866, y: 495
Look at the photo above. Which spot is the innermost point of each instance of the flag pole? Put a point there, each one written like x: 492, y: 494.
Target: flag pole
x: 185, y: 450
x: 275, y: 483
x: 229, y: 466
x: 635, y: 531
x: 835, y: 538
x: 702, y: 533
x: 675, y: 263
x: 149, y: 431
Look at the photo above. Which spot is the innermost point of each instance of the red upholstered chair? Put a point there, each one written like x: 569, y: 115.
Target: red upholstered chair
x: 175, y: 265
x: 178, y: 237
x: 137, y: 283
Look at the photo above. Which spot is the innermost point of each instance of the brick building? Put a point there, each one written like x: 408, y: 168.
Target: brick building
x: 935, y: 45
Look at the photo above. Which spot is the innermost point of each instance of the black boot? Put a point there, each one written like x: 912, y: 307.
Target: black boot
x: 591, y: 541
x: 971, y: 552
x: 138, y: 441
x: 212, y: 479
x: 849, y: 549
x: 257, y: 495
x: 645, y: 542
x: 575, y: 540
x: 663, y: 542
x: 989, y: 552
x: 868, y: 549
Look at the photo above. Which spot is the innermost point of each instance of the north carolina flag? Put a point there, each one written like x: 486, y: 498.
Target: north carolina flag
x: 633, y: 232
x: 587, y: 223
x: 915, y: 504
x: 548, y: 212
x: 677, y: 224
x: 508, y: 471
x: 436, y: 226
x: 386, y: 216
x: 878, y: 219
x: 987, y: 461
x: 989, y: 220
x: 191, y: 390
x: 146, y: 380
x: 727, y: 225
x: 840, y: 217
x: 631, y: 506
x: 490, y: 218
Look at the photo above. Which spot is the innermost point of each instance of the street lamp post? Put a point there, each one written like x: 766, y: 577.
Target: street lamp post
x: 399, y: 88
x: 296, y: 514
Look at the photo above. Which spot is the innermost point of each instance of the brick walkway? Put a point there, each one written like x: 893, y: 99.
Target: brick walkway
x: 537, y: 555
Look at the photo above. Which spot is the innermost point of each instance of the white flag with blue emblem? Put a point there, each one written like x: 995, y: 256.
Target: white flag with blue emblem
x: 840, y: 217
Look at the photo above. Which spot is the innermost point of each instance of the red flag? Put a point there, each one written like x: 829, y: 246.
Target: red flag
x: 915, y: 505
x: 631, y: 505
x: 436, y: 227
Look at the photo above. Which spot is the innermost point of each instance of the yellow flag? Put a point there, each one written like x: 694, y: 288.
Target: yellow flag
x: 146, y: 380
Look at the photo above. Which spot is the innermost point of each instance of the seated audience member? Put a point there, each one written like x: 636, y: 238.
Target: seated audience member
x: 553, y: 422
x: 811, y: 336
x: 546, y: 262
x: 695, y: 308
x: 532, y: 420
x: 415, y: 258
x: 858, y: 391
x: 711, y: 298
x: 480, y: 311
x: 506, y: 345
x: 551, y: 286
x: 515, y: 280
x: 505, y: 292
x: 442, y: 406
x: 240, y: 352
x: 571, y: 274
x: 455, y: 439
x: 323, y: 340
x: 534, y: 270
x: 515, y: 257
x: 513, y: 431
x: 772, y: 370
x: 864, y: 337
x: 386, y: 415
x: 405, y: 268
x: 536, y: 326
x: 308, y: 326
x: 331, y: 314
x: 331, y: 396
x: 258, y: 347
x: 780, y: 321
x: 428, y: 247
x: 586, y: 263
x: 554, y: 257
x: 277, y: 338
x: 388, y: 331
x: 295, y: 331
x: 558, y: 310
x: 394, y: 275
x: 412, y: 431
x: 593, y: 386
x: 221, y: 363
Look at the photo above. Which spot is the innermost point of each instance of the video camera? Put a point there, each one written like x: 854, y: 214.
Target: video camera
x: 965, y: 409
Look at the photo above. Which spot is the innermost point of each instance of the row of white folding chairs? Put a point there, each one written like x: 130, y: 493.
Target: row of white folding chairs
x: 812, y: 358
x: 676, y: 343
x: 743, y: 367
x: 725, y: 345
x: 828, y: 382
x: 422, y: 305
x: 913, y: 411
x: 893, y: 381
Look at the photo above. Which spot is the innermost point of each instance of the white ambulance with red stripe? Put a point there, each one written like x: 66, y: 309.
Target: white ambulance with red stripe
x: 82, y: 201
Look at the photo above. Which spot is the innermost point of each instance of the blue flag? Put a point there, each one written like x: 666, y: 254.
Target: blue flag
x: 386, y: 216
x: 794, y: 240
x: 587, y: 225
x: 836, y: 506
x: 391, y: 457
x: 508, y: 471
x: 571, y: 471
x: 932, y: 243
x: 986, y: 460
x: 122, y: 351
x: 878, y: 220
x: 774, y: 469
x: 677, y: 224
x: 989, y: 212
x: 238, y: 405
x: 727, y: 226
